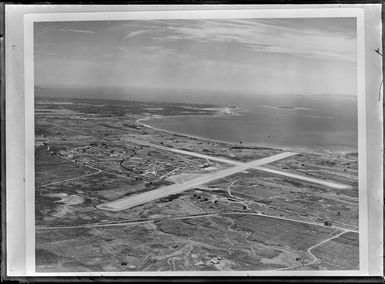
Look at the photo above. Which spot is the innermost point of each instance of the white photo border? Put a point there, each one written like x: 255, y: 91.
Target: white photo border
x: 29, y: 21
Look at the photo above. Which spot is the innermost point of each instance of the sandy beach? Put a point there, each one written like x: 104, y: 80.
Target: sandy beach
x: 141, y: 121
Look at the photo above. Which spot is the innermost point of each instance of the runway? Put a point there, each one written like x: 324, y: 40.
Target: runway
x: 135, y: 200
x: 164, y: 191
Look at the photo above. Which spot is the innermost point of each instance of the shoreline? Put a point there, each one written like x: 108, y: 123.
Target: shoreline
x: 257, y: 145
x: 139, y: 121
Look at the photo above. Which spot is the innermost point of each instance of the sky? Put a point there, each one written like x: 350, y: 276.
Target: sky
x: 265, y: 56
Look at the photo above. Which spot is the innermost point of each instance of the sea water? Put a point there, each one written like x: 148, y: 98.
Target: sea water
x: 327, y: 123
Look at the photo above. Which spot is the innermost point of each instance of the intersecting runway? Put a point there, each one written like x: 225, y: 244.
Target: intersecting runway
x: 164, y: 191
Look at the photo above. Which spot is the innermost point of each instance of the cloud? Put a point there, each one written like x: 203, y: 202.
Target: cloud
x: 74, y: 31
x: 48, y: 31
x: 272, y: 37
x: 145, y: 53
x: 135, y: 33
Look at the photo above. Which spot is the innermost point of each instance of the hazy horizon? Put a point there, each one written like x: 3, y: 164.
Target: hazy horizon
x: 241, y: 56
x: 198, y: 90
x: 217, y: 98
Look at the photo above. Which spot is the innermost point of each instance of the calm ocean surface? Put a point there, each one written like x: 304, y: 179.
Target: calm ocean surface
x: 318, y: 123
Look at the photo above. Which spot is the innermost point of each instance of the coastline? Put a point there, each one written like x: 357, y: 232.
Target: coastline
x: 255, y: 145
x: 150, y: 117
